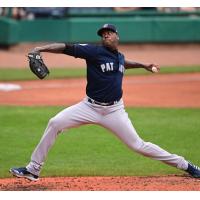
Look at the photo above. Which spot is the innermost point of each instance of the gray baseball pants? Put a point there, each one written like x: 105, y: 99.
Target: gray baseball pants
x: 113, y: 118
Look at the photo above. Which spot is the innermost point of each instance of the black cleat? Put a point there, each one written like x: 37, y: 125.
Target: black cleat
x: 22, y: 172
x: 193, y: 170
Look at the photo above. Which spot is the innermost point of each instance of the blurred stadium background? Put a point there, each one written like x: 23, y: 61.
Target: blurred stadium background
x: 166, y: 36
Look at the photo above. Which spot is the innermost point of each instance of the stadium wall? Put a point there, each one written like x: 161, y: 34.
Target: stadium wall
x: 132, y: 29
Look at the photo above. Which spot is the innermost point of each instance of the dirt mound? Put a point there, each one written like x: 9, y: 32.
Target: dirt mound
x: 156, y: 183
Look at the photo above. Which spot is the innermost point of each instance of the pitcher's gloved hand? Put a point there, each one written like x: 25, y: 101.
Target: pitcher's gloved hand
x: 37, y: 65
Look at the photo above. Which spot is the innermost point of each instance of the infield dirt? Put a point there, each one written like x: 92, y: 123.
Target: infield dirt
x: 155, y: 183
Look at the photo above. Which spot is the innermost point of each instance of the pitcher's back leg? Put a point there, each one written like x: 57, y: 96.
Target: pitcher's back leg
x: 119, y: 123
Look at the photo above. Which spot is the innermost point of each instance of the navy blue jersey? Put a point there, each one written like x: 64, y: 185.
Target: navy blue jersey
x: 105, y: 69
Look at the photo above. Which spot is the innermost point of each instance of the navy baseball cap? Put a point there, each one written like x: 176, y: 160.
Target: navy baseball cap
x: 110, y: 27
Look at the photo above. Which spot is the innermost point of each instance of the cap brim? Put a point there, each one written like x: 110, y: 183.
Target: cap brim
x: 99, y: 32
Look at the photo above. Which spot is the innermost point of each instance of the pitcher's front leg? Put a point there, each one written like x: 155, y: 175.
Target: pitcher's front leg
x: 73, y: 116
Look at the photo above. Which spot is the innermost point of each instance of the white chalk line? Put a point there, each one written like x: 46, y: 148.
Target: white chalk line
x: 6, y: 87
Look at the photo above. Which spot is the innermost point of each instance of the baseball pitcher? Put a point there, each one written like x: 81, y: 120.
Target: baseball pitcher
x: 102, y: 105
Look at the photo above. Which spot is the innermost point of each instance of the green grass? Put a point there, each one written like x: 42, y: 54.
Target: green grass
x: 91, y: 150
x: 7, y: 74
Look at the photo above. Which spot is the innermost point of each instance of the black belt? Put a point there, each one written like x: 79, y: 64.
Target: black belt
x: 101, y: 103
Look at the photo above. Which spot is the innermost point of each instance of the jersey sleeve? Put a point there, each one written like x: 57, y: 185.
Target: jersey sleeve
x: 84, y: 51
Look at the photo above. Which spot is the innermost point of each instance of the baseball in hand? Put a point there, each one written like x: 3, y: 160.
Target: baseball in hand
x: 154, y: 69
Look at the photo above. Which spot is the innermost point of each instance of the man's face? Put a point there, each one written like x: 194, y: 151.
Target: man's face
x: 110, y: 38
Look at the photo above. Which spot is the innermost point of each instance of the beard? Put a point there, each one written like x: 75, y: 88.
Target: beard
x: 110, y: 44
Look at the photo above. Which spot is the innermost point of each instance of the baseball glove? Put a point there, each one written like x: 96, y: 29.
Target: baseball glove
x: 37, y: 65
